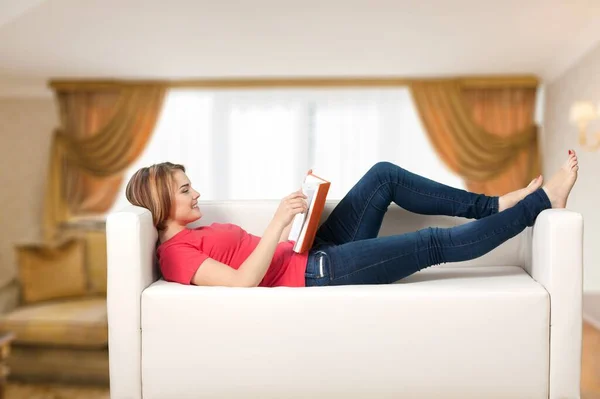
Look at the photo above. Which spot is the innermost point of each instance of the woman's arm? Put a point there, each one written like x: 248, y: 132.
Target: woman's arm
x: 252, y: 271
x: 286, y: 232
x: 256, y: 265
x: 254, y: 268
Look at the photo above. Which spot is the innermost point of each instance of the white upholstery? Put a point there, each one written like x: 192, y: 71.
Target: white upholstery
x: 506, y: 325
x: 557, y: 264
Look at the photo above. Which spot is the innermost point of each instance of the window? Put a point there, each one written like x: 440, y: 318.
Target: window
x: 258, y: 144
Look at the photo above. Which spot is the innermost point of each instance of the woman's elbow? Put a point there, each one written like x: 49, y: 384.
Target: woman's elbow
x: 247, y: 283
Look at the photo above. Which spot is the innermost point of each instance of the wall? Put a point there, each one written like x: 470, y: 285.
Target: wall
x: 580, y: 82
x: 26, y: 126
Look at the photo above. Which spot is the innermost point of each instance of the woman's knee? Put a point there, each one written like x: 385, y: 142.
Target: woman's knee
x: 435, y: 240
x: 385, y: 168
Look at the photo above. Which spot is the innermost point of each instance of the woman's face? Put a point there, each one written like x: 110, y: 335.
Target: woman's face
x: 184, y: 208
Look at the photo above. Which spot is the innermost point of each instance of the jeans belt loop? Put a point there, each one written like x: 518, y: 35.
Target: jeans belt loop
x: 321, y: 266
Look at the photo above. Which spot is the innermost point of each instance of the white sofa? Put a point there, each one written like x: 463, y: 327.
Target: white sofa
x: 506, y: 325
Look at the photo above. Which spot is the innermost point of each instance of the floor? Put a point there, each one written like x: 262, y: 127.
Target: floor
x: 22, y: 391
x: 591, y: 307
x: 590, y: 377
x: 590, y: 363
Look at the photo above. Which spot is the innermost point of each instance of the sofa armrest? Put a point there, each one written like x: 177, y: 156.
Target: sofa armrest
x: 557, y: 264
x: 131, y: 239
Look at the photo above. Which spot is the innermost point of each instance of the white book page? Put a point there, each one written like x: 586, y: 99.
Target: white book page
x: 311, y: 193
x: 296, y: 227
x: 308, y: 189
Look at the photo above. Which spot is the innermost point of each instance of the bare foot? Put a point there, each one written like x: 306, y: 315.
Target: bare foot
x: 509, y: 200
x: 560, y: 185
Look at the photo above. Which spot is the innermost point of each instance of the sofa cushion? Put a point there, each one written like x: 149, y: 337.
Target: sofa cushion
x: 51, y: 272
x: 469, y: 332
x: 74, y: 323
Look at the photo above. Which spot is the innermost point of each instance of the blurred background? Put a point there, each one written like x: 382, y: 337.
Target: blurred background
x: 479, y: 95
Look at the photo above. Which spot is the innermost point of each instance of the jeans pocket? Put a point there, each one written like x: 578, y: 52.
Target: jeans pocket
x: 319, y: 266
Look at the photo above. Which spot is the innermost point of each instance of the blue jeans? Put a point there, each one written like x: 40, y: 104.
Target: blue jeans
x: 347, y: 250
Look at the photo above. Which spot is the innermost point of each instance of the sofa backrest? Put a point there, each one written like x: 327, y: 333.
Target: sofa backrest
x: 255, y: 215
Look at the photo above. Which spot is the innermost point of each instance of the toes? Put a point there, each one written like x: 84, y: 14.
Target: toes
x: 572, y: 162
x: 535, y: 181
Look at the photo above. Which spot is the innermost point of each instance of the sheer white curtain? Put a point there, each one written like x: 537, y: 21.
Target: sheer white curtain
x: 266, y: 134
x: 354, y: 129
x: 258, y: 144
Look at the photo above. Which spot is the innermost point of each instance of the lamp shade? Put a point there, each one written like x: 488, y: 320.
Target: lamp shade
x: 583, y: 111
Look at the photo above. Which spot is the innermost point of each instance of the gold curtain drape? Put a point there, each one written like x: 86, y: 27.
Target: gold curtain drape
x: 486, y: 135
x: 101, y: 134
x: 505, y: 112
x: 84, y: 113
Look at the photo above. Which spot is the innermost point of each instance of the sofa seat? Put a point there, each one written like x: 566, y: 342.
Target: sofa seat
x: 468, y: 332
x: 79, y: 323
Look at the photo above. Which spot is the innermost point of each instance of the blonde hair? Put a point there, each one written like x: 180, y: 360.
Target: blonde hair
x: 152, y: 187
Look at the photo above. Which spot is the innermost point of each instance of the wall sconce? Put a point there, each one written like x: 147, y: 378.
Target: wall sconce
x: 582, y: 113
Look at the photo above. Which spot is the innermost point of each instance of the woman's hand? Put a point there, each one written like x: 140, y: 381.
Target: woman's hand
x: 289, y: 207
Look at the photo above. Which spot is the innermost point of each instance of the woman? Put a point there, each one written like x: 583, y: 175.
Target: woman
x: 346, y: 248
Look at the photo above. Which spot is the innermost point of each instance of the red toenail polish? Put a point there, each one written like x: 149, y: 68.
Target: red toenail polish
x: 570, y: 152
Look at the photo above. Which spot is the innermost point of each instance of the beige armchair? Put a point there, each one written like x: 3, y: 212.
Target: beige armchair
x: 60, y: 320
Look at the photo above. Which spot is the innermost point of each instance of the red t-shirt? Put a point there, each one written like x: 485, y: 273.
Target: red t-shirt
x: 182, y: 255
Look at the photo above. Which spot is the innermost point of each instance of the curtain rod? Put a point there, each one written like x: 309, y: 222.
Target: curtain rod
x: 523, y: 81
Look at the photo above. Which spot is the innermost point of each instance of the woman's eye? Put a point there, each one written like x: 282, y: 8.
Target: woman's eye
x: 185, y: 191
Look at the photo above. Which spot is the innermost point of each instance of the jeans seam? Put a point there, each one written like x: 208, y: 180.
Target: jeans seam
x: 424, y: 249
x: 378, y: 263
x: 485, y: 237
x: 407, y: 188
x: 365, y: 210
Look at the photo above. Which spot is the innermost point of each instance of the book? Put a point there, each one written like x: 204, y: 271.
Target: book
x: 305, y: 225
